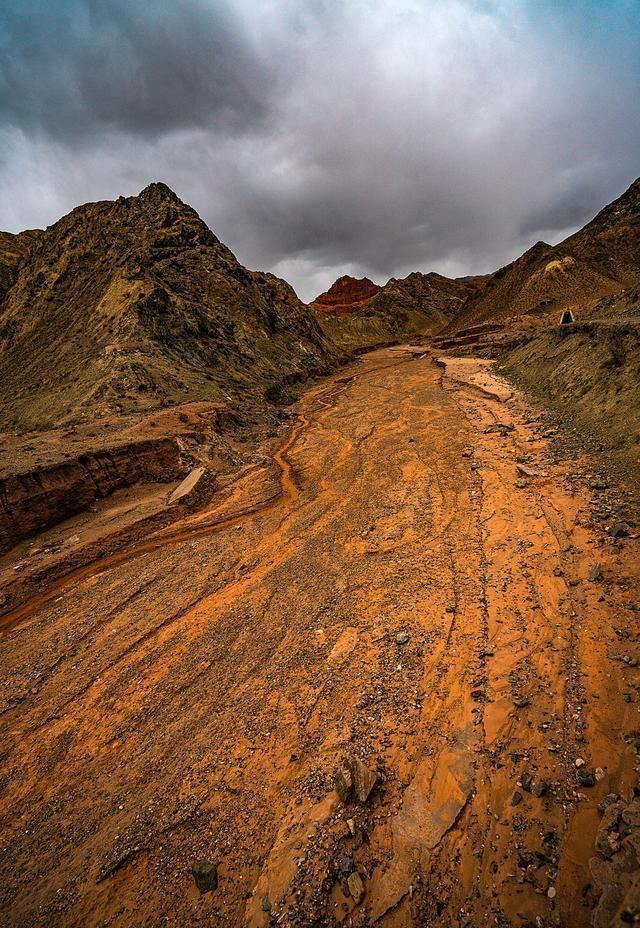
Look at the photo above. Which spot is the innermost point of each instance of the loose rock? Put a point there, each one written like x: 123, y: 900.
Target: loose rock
x: 356, y: 887
x: 205, y: 874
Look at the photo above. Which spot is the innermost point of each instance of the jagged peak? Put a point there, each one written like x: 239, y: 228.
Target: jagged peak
x: 159, y: 191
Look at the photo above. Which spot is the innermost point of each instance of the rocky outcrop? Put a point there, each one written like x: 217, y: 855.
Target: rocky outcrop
x: 588, y: 374
x: 616, y: 868
x: 346, y: 295
x: 33, y: 501
x: 13, y: 249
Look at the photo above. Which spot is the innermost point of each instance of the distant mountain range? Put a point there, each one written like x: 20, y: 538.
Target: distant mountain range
x: 597, y: 262
x: 130, y: 305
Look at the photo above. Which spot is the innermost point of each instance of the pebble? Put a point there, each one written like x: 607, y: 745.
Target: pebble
x: 402, y: 637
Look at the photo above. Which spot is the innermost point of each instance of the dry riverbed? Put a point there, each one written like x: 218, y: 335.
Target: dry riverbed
x: 415, y: 592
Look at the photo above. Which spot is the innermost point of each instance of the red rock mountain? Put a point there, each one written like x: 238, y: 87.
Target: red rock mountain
x: 346, y: 295
x: 419, y: 304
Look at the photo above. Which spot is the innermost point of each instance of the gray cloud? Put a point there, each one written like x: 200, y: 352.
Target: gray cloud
x: 375, y: 136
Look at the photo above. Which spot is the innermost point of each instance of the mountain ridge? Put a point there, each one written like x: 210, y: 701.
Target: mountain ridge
x: 132, y: 304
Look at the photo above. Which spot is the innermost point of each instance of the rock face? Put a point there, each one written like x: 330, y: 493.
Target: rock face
x: 346, y: 295
x: 31, y: 502
x: 134, y: 304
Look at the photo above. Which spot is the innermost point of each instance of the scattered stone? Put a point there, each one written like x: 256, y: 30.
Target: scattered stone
x: 520, y: 701
x: 526, y: 782
x: 477, y: 694
x: 402, y: 637
x: 540, y: 788
x: 551, y: 892
x: 579, y: 762
x: 205, y: 874
x: 595, y: 573
x: 265, y: 903
x: 599, y: 774
x: 356, y: 888
x: 521, y: 484
x: 351, y: 825
x: 517, y: 798
x: 345, y: 865
x: 530, y: 471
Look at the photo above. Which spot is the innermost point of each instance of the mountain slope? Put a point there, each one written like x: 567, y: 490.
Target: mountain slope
x: 419, y: 304
x: 596, y: 262
x: 13, y: 248
x: 610, y: 243
x: 134, y: 304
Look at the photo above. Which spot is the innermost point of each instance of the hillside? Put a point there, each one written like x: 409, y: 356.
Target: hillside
x: 622, y: 304
x: 419, y: 304
x: 13, y: 248
x: 595, y: 262
x: 588, y: 375
x: 134, y: 304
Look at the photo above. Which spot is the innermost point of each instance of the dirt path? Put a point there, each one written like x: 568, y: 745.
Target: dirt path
x: 194, y: 699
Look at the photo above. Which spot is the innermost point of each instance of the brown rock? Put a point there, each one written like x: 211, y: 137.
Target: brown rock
x: 356, y: 888
x: 364, y: 779
x: 344, y: 785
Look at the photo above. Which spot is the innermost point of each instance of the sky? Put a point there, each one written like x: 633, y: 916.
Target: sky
x: 319, y: 137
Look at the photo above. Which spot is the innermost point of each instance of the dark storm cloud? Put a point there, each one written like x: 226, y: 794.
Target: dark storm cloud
x: 324, y: 137
x: 73, y: 67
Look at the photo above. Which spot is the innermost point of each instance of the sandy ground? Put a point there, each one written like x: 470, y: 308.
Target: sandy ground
x: 193, y: 698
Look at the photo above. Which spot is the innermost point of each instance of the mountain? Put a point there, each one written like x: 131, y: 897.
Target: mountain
x: 610, y: 243
x: 596, y: 262
x: 346, y: 295
x: 13, y: 248
x: 134, y: 304
x: 419, y: 304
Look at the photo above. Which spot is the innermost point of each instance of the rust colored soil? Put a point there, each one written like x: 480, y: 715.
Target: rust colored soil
x: 192, y: 698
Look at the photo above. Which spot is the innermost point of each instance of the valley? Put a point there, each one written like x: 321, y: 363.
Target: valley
x: 413, y: 577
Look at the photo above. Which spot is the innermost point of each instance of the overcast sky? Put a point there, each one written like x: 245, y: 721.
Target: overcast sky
x: 319, y: 137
